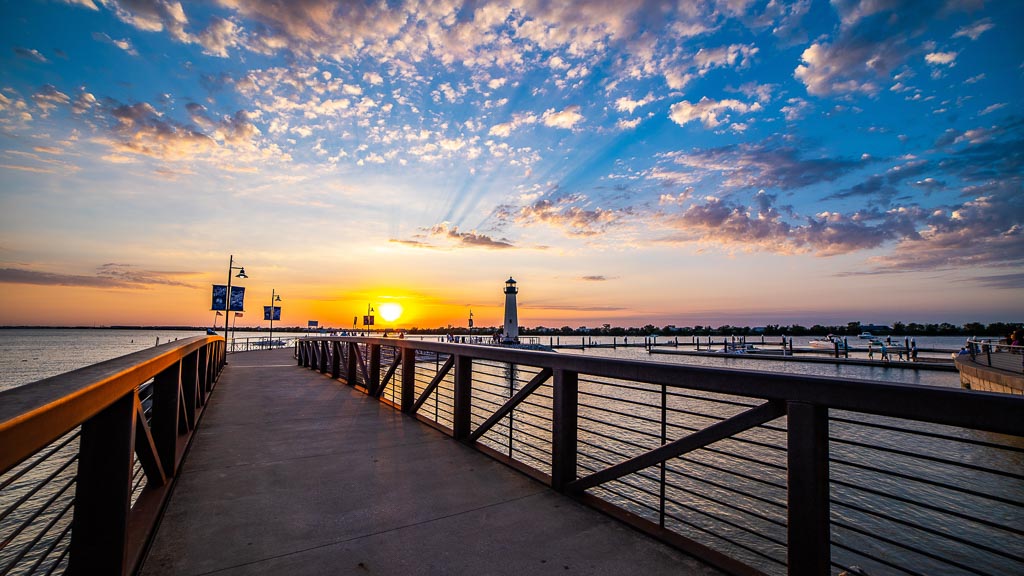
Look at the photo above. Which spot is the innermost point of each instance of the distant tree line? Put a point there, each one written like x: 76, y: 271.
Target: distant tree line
x: 999, y: 329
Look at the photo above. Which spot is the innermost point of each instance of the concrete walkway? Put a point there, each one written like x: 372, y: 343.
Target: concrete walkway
x: 294, y: 473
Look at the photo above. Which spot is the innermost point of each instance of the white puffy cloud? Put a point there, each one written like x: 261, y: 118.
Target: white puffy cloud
x: 708, y: 111
x: 941, y: 58
x: 566, y: 119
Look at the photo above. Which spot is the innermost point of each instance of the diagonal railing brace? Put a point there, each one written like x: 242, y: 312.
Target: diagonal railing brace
x: 729, y: 427
x: 387, y: 375
x: 145, y: 448
x: 511, y: 403
x: 441, y: 373
x: 362, y: 368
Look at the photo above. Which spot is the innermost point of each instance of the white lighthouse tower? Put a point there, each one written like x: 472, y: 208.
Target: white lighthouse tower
x: 511, y: 314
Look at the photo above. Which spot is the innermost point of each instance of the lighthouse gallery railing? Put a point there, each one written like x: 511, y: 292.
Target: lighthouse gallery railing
x: 754, y: 472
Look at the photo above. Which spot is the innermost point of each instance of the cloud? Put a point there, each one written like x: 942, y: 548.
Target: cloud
x: 152, y: 16
x: 762, y: 226
x: 1005, y: 281
x: 30, y: 54
x: 107, y: 276
x: 874, y: 38
x: 49, y: 98
x: 760, y: 166
x: 708, y: 111
x: 625, y: 104
x: 566, y: 119
x: 941, y: 58
x: 124, y: 44
x: 595, y: 278
x: 987, y: 230
x: 975, y: 30
x: 468, y: 239
x: 571, y: 214
x: 219, y: 36
x: 992, y: 108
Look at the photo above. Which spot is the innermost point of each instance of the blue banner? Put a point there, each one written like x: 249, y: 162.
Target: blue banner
x: 220, y: 294
x: 266, y: 312
x: 237, y: 298
x: 313, y: 323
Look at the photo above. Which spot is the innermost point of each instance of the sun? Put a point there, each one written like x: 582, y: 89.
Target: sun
x: 390, y: 311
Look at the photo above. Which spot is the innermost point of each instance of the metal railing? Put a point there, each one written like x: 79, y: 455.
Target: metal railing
x: 756, y: 473
x: 254, y: 343
x: 992, y: 353
x: 87, y: 458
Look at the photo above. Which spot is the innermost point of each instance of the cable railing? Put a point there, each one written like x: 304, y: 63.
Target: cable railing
x: 87, y: 458
x: 255, y: 343
x: 756, y: 473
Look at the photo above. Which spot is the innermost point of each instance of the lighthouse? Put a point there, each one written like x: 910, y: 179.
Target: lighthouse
x: 511, y: 315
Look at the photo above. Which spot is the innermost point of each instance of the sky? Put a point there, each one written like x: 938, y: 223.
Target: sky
x: 743, y: 162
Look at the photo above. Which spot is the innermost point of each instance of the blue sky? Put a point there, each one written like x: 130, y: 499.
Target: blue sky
x: 735, y: 161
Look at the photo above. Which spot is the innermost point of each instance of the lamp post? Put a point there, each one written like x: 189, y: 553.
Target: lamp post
x: 227, y: 300
x: 274, y: 297
x: 368, y: 321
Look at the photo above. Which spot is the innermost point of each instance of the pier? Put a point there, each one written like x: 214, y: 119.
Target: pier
x: 353, y: 455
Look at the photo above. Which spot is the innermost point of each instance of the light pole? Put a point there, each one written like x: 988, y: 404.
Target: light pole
x: 227, y: 299
x: 369, y: 318
x: 274, y: 297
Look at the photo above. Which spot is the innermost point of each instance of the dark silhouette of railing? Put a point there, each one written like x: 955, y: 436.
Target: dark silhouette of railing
x: 753, y: 472
x: 87, y: 457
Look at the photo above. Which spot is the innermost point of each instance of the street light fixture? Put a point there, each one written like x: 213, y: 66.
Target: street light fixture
x: 227, y: 300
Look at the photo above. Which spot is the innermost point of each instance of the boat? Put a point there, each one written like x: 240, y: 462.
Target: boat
x: 866, y: 336
x: 738, y: 348
x: 828, y: 342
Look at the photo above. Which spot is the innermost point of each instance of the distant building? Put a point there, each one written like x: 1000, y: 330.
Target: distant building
x: 511, y: 312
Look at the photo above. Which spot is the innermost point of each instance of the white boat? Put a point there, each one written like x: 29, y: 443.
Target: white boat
x: 828, y: 342
x: 866, y: 336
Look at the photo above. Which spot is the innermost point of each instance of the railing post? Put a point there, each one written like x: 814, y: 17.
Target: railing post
x: 808, y: 490
x: 323, y: 356
x: 374, y: 367
x: 204, y: 375
x: 463, y: 397
x: 353, y: 366
x: 189, y: 383
x: 408, y: 379
x: 335, y: 360
x: 164, y: 427
x: 103, y: 491
x: 563, y: 428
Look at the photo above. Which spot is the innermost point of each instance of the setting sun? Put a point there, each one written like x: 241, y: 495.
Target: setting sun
x: 390, y: 311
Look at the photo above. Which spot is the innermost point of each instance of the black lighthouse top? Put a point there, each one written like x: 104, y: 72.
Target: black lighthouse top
x: 510, y: 286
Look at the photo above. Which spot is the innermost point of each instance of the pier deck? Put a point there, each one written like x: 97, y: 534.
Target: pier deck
x: 291, y: 472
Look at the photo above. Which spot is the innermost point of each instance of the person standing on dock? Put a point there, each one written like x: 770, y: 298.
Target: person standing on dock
x: 885, y: 353
x: 913, y: 350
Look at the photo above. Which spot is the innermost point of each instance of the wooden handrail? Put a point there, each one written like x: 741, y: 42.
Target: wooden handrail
x: 108, y: 532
